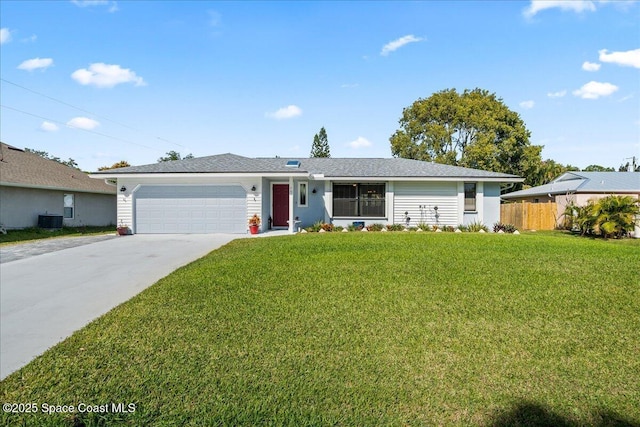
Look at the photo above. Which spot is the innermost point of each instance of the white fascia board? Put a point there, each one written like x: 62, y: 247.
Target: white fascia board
x: 198, y: 175
x: 429, y: 179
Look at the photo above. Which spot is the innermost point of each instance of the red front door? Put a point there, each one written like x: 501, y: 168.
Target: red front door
x: 280, y: 205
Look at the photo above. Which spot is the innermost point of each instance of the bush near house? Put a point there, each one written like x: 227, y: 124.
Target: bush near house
x: 610, y: 217
x: 507, y: 228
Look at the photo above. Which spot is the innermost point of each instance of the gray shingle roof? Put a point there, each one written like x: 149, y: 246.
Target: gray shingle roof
x: 22, y: 169
x: 329, y: 167
x: 584, y: 182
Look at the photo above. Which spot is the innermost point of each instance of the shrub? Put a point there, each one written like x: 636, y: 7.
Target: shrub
x: 475, y: 227
x: 338, y: 228
x: 448, y: 228
x: 320, y: 225
x: 352, y: 227
x: 615, y: 216
x: 463, y: 228
x: 611, y: 216
x: 375, y: 227
x: 395, y: 227
x: 507, y: 228
x: 326, y: 227
x: 424, y: 226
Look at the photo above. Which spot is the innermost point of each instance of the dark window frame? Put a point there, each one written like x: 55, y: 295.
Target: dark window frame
x: 359, y: 200
x: 470, y: 197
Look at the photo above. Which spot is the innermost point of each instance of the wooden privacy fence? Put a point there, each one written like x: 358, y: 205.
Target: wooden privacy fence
x: 529, y: 216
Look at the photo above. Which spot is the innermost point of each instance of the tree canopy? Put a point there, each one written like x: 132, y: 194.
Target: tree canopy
x: 320, y: 147
x: 120, y: 164
x: 71, y: 163
x: 472, y: 129
x: 174, y: 155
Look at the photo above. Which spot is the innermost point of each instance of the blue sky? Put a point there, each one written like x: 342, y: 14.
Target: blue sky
x: 104, y: 81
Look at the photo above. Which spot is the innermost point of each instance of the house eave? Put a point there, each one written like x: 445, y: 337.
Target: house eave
x: 198, y: 174
x: 305, y: 174
x: 423, y: 178
x: 564, y: 193
x: 54, y: 188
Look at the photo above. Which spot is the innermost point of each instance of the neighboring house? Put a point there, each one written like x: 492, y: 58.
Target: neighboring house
x: 218, y: 194
x: 31, y: 186
x: 578, y: 188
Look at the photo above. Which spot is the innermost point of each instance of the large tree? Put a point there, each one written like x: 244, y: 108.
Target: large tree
x: 174, y: 155
x: 71, y: 163
x: 473, y: 129
x: 320, y: 147
x: 120, y: 164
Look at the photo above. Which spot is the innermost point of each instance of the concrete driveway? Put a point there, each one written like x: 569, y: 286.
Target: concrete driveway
x: 46, y: 297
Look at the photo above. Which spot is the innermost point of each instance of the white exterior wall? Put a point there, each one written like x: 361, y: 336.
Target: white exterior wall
x: 420, y: 198
x: 126, y: 199
x: 491, y: 204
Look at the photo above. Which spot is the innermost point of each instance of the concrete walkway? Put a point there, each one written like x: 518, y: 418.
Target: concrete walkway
x: 45, y: 297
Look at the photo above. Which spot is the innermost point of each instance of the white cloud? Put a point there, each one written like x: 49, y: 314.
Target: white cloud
x: 36, y: 63
x: 398, y: 43
x: 527, y: 104
x: 49, y: 127
x: 84, y: 123
x: 630, y: 58
x: 287, y: 112
x: 214, y: 18
x: 626, y: 98
x: 5, y: 35
x: 106, y: 75
x: 113, y: 6
x: 558, y: 94
x: 578, y: 6
x: 594, y: 90
x: 361, y: 142
x: 590, y: 66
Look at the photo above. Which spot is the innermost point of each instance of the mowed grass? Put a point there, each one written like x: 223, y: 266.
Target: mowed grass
x: 35, y: 233
x: 363, y: 329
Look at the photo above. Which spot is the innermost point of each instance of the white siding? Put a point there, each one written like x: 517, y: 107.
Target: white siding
x: 420, y: 198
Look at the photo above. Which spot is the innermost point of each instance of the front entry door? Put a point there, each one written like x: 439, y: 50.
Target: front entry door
x: 280, y: 205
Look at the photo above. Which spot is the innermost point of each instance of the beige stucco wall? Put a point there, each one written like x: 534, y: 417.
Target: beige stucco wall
x: 20, y: 207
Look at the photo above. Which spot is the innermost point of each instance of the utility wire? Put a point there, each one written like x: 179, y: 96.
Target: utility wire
x: 79, y: 128
x: 89, y: 112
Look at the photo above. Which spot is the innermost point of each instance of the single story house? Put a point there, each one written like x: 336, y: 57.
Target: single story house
x: 578, y: 188
x: 218, y: 194
x: 32, y: 186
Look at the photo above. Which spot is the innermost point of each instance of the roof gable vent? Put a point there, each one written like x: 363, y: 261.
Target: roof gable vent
x: 293, y: 164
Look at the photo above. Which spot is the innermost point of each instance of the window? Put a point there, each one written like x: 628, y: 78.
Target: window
x: 68, y: 206
x: 359, y: 200
x: 302, y: 194
x: 469, y: 196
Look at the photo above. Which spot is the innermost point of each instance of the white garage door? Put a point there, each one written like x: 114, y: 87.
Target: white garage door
x: 191, y: 209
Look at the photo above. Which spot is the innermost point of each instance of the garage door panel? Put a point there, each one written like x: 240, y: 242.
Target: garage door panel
x: 191, y: 209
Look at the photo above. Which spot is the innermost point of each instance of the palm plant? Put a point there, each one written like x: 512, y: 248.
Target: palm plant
x: 611, y: 216
x: 615, y: 216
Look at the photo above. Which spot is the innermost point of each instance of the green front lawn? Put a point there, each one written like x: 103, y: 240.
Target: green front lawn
x: 35, y: 233
x: 363, y: 329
